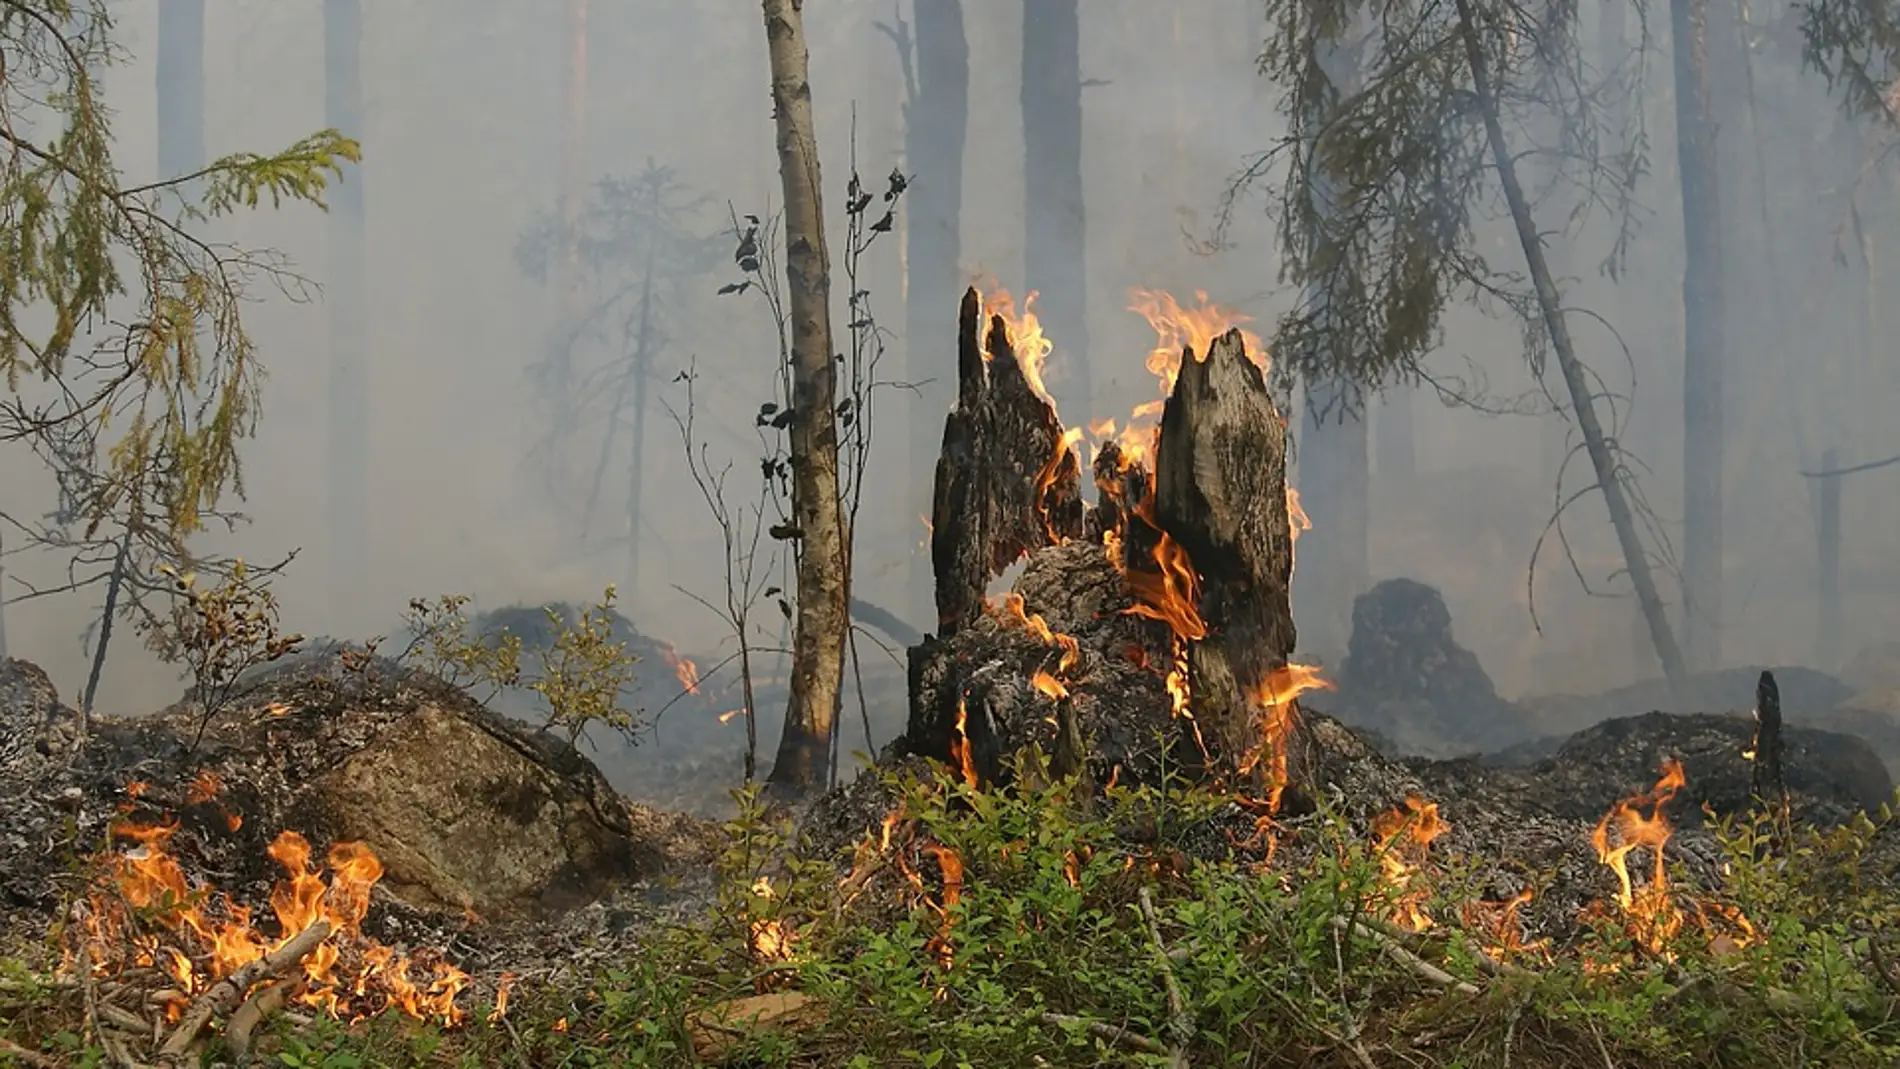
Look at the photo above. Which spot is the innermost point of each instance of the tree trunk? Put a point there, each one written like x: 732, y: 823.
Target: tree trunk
x: 818, y: 639
x: 1697, y: 166
x: 1179, y: 635
x: 1583, y: 404
x: 1396, y: 435
x: 1334, y: 488
x: 1055, y: 261
x: 937, y: 122
x: 349, y: 313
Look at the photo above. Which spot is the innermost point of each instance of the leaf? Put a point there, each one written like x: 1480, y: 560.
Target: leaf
x: 785, y: 532
x: 735, y: 287
x: 785, y: 608
x: 884, y: 225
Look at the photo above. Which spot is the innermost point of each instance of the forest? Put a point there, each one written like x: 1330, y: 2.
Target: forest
x: 881, y: 534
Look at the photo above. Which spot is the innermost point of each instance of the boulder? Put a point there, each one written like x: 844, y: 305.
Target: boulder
x: 469, y: 810
x: 1406, y: 678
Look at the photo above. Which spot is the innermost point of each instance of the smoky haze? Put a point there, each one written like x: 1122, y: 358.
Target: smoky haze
x: 464, y: 109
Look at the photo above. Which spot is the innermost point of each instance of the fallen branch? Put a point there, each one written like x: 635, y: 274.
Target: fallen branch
x: 1108, y: 1033
x: 32, y: 1059
x: 237, y: 1035
x: 227, y: 991
x: 1180, y: 1027
x: 1405, y: 957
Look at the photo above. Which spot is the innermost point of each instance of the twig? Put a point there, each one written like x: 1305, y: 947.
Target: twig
x: 1180, y: 1028
x: 32, y: 1059
x: 237, y: 1034
x: 1350, y: 1046
x: 1107, y: 1032
x: 1405, y: 957
x: 228, y: 990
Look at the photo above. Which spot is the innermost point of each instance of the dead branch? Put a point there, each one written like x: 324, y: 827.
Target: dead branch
x: 1404, y: 957
x: 268, y: 1000
x: 1107, y: 1032
x: 227, y: 991
x: 32, y: 1059
x: 1180, y: 1027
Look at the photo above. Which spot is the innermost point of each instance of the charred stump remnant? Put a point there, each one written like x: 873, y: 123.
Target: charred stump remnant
x: 1155, y: 624
x: 1007, y: 481
x: 1220, y: 494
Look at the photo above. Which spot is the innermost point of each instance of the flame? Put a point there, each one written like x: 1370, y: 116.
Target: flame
x: 960, y: 747
x: 1500, y: 928
x: 1402, y: 860
x: 1025, y: 336
x: 1651, y: 913
x: 1274, y: 700
x: 683, y: 669
x: 202, y: 937
x: 502, y: 990
x: 951, y: 865
x: 1177, y: 328
x: 770, y: 939
x: 726, y: 717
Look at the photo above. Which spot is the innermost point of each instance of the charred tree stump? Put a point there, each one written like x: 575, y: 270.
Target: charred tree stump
x: 1007, y: 483
x: 1147, y: 633
x: 1220, y: 494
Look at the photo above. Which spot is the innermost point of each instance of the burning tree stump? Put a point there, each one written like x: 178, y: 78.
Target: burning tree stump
x: 1220, y: 495
x: 1007, y: 481
x: 1149, y: 630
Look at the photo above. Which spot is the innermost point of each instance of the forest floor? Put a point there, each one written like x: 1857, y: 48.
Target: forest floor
x: 1031, y: 928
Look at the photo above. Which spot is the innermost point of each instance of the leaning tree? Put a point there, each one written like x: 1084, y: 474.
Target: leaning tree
x: 1383, y: 189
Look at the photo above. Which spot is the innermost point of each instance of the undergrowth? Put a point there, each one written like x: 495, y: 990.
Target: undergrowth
x: 1010, y: 929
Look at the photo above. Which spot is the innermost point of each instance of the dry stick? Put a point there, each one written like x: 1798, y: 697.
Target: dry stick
x: 1179, y: 1027
x: 32, y: 1059
x: 237, y: 1035
x: 1107, y: 1032
x: 1405, y: 957
x: 228, y: 990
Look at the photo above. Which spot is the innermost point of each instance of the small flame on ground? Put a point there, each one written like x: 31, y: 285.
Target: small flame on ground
x: 1651, y: 913
x: 1402, y: 859
x: 198, y: 925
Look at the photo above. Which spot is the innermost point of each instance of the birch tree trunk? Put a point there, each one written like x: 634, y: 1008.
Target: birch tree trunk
x: 823, y: 558
x: 1696, y: 166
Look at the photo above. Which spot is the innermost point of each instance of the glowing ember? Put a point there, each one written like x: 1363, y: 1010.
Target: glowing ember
x: 1499, y: 928
x: 144, y: 911
x: 1650, y: 912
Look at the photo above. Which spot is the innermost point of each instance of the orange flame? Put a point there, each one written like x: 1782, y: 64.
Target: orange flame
x: 1274, y: 700
x: 1652, y: 915
x: 1402, y: 861
x: 960, y: 747
x: 683, y: 669
x: 208, y: 927
x: 1025, y: 336
x: 1177, y: 329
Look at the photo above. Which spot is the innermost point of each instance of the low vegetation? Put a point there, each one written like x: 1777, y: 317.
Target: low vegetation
x: 1032, y: 927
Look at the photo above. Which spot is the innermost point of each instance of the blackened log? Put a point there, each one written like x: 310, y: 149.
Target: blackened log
x: 1768, y: 787
x: 1220, y: 493
x: 1006, y: 483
